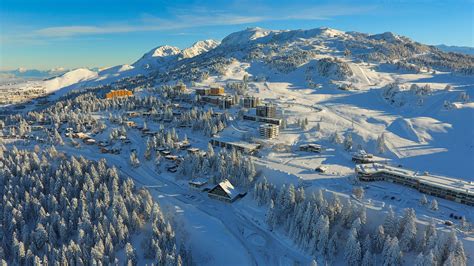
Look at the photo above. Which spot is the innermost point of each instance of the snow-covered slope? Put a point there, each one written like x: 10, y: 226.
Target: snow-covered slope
x: 456, y: 49
x: 157, y: 56
x: 69, y: 78
x: 199, y: 48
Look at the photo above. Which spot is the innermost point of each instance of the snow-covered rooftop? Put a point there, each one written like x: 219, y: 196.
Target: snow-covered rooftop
x: 229, y: 188
x: 243, y: 144
x: 434, y: 180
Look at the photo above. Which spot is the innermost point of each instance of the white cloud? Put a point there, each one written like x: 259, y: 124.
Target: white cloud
x: 199, y: 17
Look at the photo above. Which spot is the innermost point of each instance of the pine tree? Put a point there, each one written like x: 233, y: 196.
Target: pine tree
x: 352, y: 252
x: 271, y: 215
x: 391, y: 223
x: 332, y: 246
x: 423, y: 200
x: 368, y: 259
x: 434, y: 205
x: 408, y: 235
x: 393, y: 255
x: 323, y: 236
x: 378, y: 239
x: 381, y: 146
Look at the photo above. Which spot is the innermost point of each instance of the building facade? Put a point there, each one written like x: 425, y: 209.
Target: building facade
x: 241, y: 146
x: 250, y: 102
x: 217, y: 90
x: 180, y: 87
x: 203, y: 91
x: 440, y: 186
x: 118, y: 93
x: 267, y: 110
x: 268, y: 131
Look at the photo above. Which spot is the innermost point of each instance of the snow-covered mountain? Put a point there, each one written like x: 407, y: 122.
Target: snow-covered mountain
x: 69, y: 78
x: 160, y: 56
x: 456, y: 49
x: 199, y: 48
x: 320, y: 57
x: 407, y: 103
x: 24, y: 73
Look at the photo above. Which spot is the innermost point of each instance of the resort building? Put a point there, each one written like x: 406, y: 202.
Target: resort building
x: 441, y: 186
x: 118, y: 94
x: 268, y: 131
x: 250, y: 102
x: 226, y: 102
x: 203, y: 91
x: 241, y: 146
x: 268, y: 120
x: 267, y: 110
x: 217, y: 91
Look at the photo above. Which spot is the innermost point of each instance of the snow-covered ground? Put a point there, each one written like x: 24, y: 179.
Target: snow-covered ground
x: 432, y: 131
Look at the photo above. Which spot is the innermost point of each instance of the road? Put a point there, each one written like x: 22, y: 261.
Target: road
x: 270, y: 250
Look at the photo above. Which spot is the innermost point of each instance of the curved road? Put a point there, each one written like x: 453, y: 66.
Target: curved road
x: 273, y: 251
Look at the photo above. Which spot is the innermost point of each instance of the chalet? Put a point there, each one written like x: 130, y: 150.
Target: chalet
x: 198, y: 183
x: 79, y: 135
x: 172, y: 169
x: 165, y: 152
x: 171, y: 157
x: 361, y: 156
x: 321, y: 169
x: 132, y: 114
x: 89, y: 141
x: 37, y: 128
x: 193, y: 150
x: 311, y: 147
x: 115, y: 151
x: 184, y: 145
x: 130, y: 124
x: 225, y: 191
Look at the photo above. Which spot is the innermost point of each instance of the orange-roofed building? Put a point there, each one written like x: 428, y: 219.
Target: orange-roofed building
x: 217, y: 91
x: 118, y: 93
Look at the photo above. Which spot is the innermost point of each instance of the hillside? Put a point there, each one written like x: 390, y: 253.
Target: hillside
x: 246, y: 184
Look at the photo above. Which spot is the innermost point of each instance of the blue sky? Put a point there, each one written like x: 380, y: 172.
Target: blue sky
x: 49, y: 33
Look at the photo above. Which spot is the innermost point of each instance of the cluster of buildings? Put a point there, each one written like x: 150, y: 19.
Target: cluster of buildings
x: 216, y: 95
x: 440, y: 186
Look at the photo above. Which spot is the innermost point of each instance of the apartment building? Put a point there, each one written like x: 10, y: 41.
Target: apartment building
x: 440, y: 186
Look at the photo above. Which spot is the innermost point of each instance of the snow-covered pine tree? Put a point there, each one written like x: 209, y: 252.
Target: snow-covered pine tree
x: 434, y: 205
x: 352, y: 251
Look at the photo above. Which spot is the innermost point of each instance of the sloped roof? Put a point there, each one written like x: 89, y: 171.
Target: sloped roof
x: 228, y: 188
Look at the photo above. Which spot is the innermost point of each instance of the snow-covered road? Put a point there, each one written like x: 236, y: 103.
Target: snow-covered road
x: 225, y: 232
